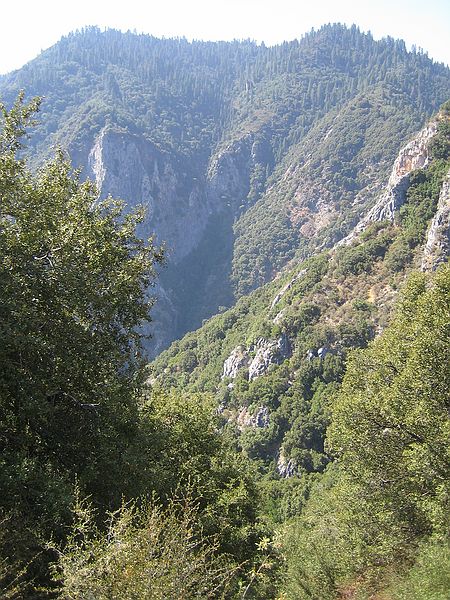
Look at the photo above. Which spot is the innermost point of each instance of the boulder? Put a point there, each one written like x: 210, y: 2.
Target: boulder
x: 268, y: 352
x: 238, y: 359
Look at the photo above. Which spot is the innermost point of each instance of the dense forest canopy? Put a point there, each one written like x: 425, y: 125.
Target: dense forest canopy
x: 190, y: 95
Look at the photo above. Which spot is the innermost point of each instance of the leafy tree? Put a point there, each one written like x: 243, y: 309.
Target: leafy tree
x: 74, y: 280
x: 429, y: 576
x: 387, y: 492
x: 148, y: 553
x: 187, y: 452
x: 390, y: 425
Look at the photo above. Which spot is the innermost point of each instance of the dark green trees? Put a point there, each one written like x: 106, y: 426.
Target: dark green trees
x: 390, y: 425
x: 73, y: 281
x: 75, y: 414
x: 387, y: 493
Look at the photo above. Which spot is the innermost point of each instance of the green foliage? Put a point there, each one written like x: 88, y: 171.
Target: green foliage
x: 189, y: 453
x: 149, y: 553
x: 440, y: 144
x: 16, y: 570
x: 399, y: 255
x: 74, y: 282
x: 359, y: 258
x: 282, y: 499
x: 325, y: 546
x: 428, y: 578
x: 391, y: 424
x: 422, y: 197
x: 389, y: 489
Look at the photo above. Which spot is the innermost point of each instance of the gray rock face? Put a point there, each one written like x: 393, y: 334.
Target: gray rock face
x: 278, y: 318
x: 179, y: 205
x: 311, y: 354
x: 437, y: 247
x: 322, y: 352
x: 259, y: 418
x: 411, y: 157
x: 228, y: 173
x: 236, y: 173
x: 268, y: 352
x: 129, y: 167
x: 237, y: 360
x: 177, y: 210
x: 286, y: 468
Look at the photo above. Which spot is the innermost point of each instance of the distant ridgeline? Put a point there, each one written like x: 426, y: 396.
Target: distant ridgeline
x: 245, y: 156
x: 188, y: 96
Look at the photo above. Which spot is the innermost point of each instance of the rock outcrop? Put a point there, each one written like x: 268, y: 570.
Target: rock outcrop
x: 265, y: 353
x: 437, y: 247
x: 286, y: 468
x: 180, y: 205
x: 238, y: 359
x: 287, y: 287
x: 413, y: 156
x: 268, y: 352
x: 228, y: 180
x: 259, y: 418
x: 127, y: 166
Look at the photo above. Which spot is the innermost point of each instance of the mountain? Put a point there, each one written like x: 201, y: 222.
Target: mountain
x: 246, y: 157
x: 275, y: 361
x: 295, y: 444
x: 333, y: 380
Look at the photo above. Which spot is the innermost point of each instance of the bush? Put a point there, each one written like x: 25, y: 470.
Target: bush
x: 428, y: 578
x: 149, y: 553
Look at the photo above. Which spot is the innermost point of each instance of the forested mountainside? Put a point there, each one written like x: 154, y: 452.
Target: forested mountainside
x: 274, y: 360
x: 245, y: 156
x: 351, y: 445
x: 296, y: 445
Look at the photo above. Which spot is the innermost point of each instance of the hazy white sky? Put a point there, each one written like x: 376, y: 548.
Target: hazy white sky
x: 27, y: 27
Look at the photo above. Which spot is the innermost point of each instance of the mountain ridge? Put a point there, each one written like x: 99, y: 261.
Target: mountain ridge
x: 271, y: 152
x: 296, y: 442
x: 275, y: 358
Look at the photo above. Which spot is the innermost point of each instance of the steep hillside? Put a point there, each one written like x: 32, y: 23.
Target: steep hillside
x: 244, y: 156
x: 275, y: 360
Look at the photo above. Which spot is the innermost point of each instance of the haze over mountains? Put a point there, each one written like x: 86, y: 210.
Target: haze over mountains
x: 244, y: 156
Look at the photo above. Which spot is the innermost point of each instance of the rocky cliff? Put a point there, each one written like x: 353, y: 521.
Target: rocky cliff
x: 180, y: 204
x: 177, y: 206
x: 437, y: 247
x: 257, y: 358
x: 414, y: 155
x: 246, y: 157
x: 192, y: 212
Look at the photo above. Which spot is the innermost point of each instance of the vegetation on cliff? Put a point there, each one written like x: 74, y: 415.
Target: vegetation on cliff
x: 302, y: 135
x: 296, y: 445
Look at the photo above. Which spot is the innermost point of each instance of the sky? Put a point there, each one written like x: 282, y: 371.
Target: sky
x: 28, y: 27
